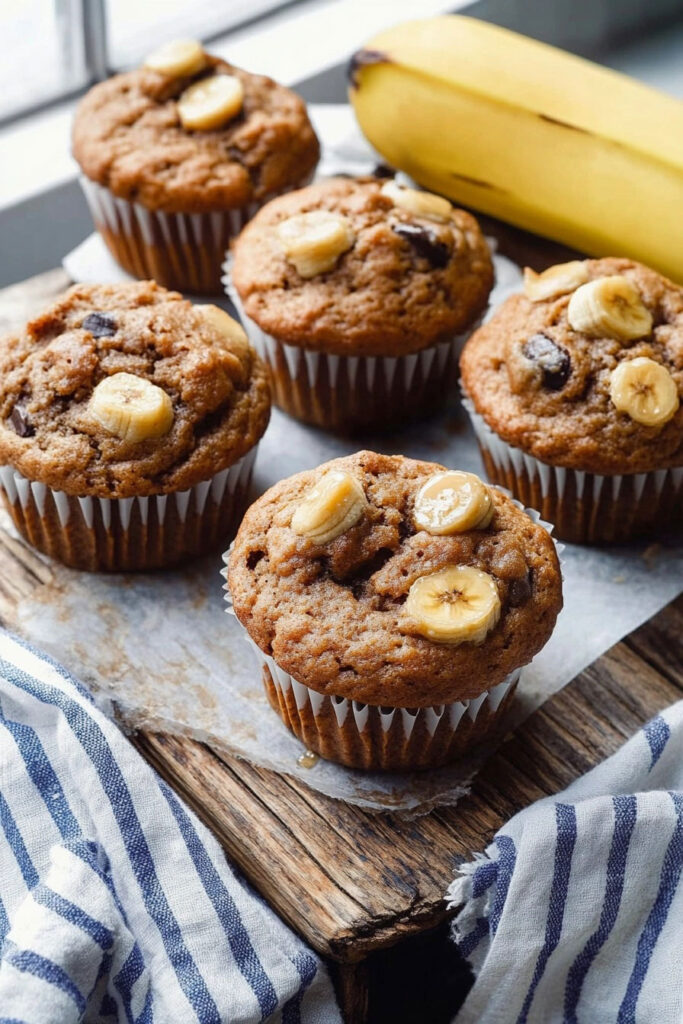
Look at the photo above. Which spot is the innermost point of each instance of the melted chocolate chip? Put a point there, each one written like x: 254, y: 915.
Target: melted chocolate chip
x: 20, y: 422
x: 424, y: 242
x: 383, y: 171
x: 100, y: 325
x: 520, y: 591
x: 253, y: 559
x: 553, y: 361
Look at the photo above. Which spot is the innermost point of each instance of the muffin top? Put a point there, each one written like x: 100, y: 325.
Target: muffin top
x: 585, y: 370
x: 125, y: 390
x: 129, y: 136
x: 339, y: 574
x: 362, y: 267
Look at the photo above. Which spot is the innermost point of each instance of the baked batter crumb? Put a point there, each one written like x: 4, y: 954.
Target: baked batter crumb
x: 332, y: 615
x: 545, y: 388
x: 218, y: 389
x: 405, y: 284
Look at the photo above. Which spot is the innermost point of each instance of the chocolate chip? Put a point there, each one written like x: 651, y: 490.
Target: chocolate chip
x: 253, y: 559
x: 383, y: 171
x: 424, y: 242
x: 520, y: 590
x: 553, y: 361
x: 100, y: 325
x: 19, y: 421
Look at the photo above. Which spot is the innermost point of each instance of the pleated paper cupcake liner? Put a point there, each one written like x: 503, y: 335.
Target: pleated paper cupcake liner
x: 178, y: 250
x: 351, y: 392
x: 383, y: 738
x: 117, y: 534
x: 586, y: 508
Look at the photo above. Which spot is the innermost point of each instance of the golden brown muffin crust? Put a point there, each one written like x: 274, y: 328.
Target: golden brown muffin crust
x: 219, y: 391
x: 127, y: 136
x: 576, y: 425
x: 383, y: 296
x: 331, y: 615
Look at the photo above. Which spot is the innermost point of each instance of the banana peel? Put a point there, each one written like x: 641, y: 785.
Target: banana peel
x: 529, y: 134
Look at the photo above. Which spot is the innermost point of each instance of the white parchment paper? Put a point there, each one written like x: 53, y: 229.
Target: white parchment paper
x: 162, y: 647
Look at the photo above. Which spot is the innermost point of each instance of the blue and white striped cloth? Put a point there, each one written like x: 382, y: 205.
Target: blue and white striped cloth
x: 575, y: 913
x: 116, y: 904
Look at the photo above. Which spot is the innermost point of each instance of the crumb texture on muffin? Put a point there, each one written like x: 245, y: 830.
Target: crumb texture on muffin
x: 544, y: 387
x: 406, y: 282
x: 332, y: 615
x: 218, y: 389
x: 128, y: 137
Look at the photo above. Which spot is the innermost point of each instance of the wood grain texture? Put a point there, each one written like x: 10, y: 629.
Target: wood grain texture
x: 353, y: 882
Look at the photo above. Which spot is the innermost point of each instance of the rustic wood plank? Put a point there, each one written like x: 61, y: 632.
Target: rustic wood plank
x: 657, y: 642
x: 383, y: 876
x: 259, y: 837
x: 352, y: 988
x: 349, y: 888
x: 21, y: 571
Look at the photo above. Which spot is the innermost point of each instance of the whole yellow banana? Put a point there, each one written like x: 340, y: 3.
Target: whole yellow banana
x: 529, y: 134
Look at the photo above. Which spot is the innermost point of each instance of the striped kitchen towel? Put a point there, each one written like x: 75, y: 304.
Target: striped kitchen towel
x: 575, y: 913
x: 116, y: 904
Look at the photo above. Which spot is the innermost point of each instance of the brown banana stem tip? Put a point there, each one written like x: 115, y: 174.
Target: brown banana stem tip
x: 363, y: 58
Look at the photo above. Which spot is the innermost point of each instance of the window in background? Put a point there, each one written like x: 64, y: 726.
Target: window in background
x: 55, y: 48
x: 133, y: 28
x: 42, y: 53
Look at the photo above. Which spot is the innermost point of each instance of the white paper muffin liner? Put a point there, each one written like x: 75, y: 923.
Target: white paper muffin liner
x: 127, y: 533
x: 431, y: 717
x: 178, y: 250
x: 408, y: 737
x: 585, y: 507
x: 349, y: 391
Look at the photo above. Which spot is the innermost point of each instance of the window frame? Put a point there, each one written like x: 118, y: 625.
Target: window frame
x: 84, y: 37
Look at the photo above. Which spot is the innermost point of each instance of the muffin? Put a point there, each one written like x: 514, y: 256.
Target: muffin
x: 392, y: 604
x: 129, y: 421
x: 357, y: 293
x: 574, y: 391
x: 180, y: 153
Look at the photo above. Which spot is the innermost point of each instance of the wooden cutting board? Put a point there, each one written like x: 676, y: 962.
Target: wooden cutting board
x: 354, y: 883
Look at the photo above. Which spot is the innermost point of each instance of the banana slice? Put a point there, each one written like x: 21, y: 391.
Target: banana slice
x: 645, y: 390
x: 313, y: 242
x: 456, y: 605
x: 210, y: 103
x: 453, y: 502
x: 557, y: 280
x: 330, y: 508
x: 131, y: 407
x: 177, y: 58
x: 225, y: 326
x: 422, y: 204
x: 609, y: 307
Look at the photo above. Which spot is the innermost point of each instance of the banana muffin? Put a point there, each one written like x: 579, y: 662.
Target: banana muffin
x: 392, y: 604
x: 129, y: 420
x: 179, y: 154
x: 574, y: 390
x: 358, y: 293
